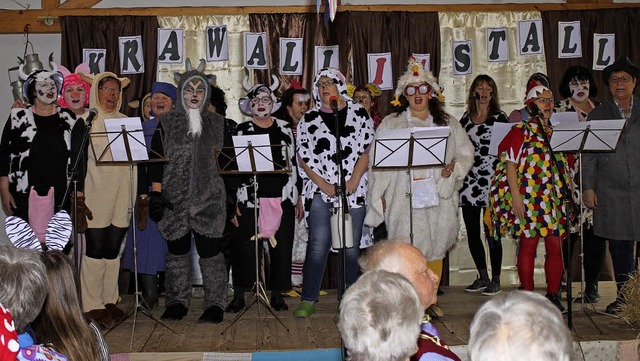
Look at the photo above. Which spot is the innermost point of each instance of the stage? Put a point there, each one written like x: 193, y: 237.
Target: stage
x: 264, y: 338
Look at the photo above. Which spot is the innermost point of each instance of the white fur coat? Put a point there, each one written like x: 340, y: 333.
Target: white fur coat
x: 434, y: 229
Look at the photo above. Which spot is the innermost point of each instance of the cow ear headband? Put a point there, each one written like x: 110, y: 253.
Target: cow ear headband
x: 57, y: 234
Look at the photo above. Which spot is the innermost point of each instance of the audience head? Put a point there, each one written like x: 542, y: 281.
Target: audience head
x: 217, y: 104
x: 577, y: 83
x: 23, y: 284
x: 380, y: 317
x: 483, y: 90
x: 163, y: 98
x: 519, y: 323
x: 406, y: 259
x: 9, y: 345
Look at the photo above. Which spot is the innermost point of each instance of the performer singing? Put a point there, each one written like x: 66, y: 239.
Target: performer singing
x: 526, y: 192
x: 188, y: 197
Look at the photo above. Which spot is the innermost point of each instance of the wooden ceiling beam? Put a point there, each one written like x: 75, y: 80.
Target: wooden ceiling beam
x: 78, y: 4
x: 14, y: 20
x: 49, y: 4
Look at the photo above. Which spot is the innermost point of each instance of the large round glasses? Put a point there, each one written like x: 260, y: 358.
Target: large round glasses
x: 413, y: 89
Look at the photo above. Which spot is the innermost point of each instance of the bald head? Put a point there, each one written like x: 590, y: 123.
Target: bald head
x: 407, y: 260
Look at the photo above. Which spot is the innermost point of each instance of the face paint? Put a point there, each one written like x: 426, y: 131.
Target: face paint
x: 193, y: 93
x: 46, y: 91
x: 74, y: 96
x: 261, y: 105
x: 579, y: 89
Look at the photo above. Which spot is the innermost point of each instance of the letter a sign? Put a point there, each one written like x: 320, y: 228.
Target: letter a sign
x: 255, y: 50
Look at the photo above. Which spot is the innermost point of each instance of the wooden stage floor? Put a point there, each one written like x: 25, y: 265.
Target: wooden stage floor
x: 252, y: 333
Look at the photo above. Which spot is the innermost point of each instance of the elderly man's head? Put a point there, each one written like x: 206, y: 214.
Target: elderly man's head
x: 516, y: 324
x: 23, y: 284
x: 380, y: 317
x: 407, y: 260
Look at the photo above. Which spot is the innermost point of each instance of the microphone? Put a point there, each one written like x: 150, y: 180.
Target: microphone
x: 535, y: 110
x: 476, y: 95
x: 92, y: 114
x: 333, y: 100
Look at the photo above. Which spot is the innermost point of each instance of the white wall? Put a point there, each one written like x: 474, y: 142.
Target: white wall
x: 13, y: 46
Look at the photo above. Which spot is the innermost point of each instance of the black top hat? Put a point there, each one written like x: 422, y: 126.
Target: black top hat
x: 622, y: 64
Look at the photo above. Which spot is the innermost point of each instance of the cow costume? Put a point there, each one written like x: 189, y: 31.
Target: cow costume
x: 276, y: 198
x: 34, y: 151
x: 189, y: 195
x: 317, y: 156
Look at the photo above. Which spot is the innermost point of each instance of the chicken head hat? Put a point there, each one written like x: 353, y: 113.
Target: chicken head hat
x: 416, y: 74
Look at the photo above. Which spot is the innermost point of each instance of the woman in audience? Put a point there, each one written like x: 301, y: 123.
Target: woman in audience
x: 61, y: 323
x: 104, y: 199
x: 318, y: 161
x: 435, y: 217
x: 483, y: 110
x: 527, y: 196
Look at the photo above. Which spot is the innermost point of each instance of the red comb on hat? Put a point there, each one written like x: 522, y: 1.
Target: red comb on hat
x: 295, y: 84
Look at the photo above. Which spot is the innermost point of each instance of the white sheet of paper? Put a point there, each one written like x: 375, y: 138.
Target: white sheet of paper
x: 563, y: 118
x: 567, y: 137
x: 604, y: 134
x: 498, y: 133
x: 135, y: 138
x: 261, y: 152
x: 392, y: 146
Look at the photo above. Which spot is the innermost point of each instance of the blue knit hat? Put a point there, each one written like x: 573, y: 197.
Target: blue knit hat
x: 165, y: 88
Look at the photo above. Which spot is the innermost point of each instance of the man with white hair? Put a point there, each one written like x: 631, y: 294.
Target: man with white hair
x: 407, y: 260
x: 380, y: 318
x: 516, y: 324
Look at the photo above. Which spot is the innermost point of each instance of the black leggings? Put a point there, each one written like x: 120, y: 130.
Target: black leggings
x: 471, y: 216
x: 205, y: 246
x: 104, y: 243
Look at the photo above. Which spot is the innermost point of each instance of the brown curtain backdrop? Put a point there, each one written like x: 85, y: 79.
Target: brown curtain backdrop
x: 102, y: 32
x: 356, y: 33
x: 622, y: 22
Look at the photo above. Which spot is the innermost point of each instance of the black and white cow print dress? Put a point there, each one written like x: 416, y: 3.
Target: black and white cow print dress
x: 475, y: 190
x: 317, y: 148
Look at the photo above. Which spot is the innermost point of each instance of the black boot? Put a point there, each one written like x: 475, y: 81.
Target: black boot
x: 277, y: 302
x: 555, y: 299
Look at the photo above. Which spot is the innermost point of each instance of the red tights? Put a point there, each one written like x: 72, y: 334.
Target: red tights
x: 552, y: 263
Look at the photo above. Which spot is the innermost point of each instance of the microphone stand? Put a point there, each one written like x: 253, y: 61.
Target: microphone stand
x: 566, y: 192
x: 343, y: 205
x: 72, y: 177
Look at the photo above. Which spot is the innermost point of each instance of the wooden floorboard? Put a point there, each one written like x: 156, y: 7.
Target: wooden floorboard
x: 252, y: 333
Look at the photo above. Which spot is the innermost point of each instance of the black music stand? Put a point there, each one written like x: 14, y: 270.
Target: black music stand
x: 411, y: 148
x: 127, y: 146
x: 254, y: 160
x: 600, y: 136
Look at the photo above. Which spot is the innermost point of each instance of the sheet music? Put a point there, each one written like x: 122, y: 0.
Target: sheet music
x: 604, y: 134
x: 392, y: 146
x: 498, y: 133
x: 564, y: 118
x: 567, y: 137
x: 135, y: 136
x: 261, y: 152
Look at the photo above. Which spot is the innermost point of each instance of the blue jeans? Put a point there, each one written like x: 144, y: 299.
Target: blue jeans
x: 319, y: 245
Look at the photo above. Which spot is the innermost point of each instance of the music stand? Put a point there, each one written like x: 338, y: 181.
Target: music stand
x: 252, y: 160
x: 410, y: 148
x: 600, y: 136
x: 127, y: 146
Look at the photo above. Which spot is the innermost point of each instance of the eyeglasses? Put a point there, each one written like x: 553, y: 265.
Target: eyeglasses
x: 412, y: 89
x: 198, y: 91
x: 109, y: 89
x: 324, y: 84
x: 363, y: 98
x: 263, y: 101
x: 579, y: 83
x: 622, y: 79
x: 544, y: 100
